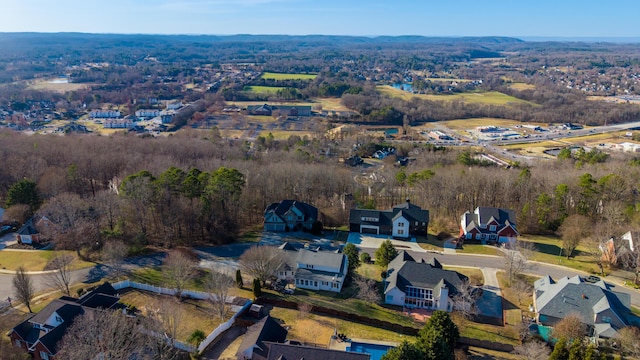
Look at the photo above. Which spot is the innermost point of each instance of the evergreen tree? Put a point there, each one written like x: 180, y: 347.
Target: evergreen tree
x: 438, y: 338
x: 560, y: 351
x: 385, y: 253
x: 239, y: 282
x: 257, y: 290
x: 576, y: 351
x: 351, y: 251
x: 404, y: 351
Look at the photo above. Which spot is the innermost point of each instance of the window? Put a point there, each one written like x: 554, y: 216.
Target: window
x: 44, y: 355
x: 492, y: 228
x: 400, y: 232
x: 18, y: 343
x: 389, y: 298
x: 606, y: 319
x: 315, y: 283
x: 309, y: 266
x: 58, y: 319
x: 401, y: 224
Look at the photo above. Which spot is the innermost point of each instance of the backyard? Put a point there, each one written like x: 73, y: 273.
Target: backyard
x: 36, y: 260
x: 549, y: 250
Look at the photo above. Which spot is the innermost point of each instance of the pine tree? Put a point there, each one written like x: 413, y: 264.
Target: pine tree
x: 239, y: 282
x: 257, y: 290
x: 560, y: 351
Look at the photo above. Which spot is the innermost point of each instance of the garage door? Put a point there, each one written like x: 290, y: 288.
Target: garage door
x: 369, y: 230
x: 274, y: 227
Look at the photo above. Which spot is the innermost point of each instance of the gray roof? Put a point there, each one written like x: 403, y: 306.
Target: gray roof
x: 299, y: 352
x: 575, y: 296
x: 281, y: 208
x: 403, y: 272
x: 267, y: 329
x: 484, y: 215
x: 409, y: 211
x: 320, y: 258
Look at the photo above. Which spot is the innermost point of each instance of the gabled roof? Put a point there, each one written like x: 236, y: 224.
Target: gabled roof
x: 65, y: 309
x: 299, y: 352
x: 266, y: 329
x: 28, y: 228
x: 574, y: 295
x: 407, y: 210
x: 403, y: 273
x: 320, y: 258
x: 281, y: 208
x: 484, y: 215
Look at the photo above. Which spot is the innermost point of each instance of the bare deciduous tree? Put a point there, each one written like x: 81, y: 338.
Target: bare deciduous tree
x: 61, y: 276
x: 113, y: 253
x: 522, y: 289
x: 23, y: 287
x: 573, y: 230
x: 218, y: 285
x: 464, y: 301
x: 516, y: 260
x: 532, y: 350
x: 367, y: 290
x: 106, y: 335
x: 261, y: 262
x: 177, y: 268
x: 630, y: 340
x: 304, y: 310
x: 570, y: 327
x: 170, y: 316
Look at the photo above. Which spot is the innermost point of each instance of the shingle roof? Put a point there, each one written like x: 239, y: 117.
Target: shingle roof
x: 299, y: 352
x: 423, y: 275
x: 573, y: 295
x: 409, y: 211
x: 281, y: 208
x: 59, y: 306
x: 266, y: 329
x: 320, y: 258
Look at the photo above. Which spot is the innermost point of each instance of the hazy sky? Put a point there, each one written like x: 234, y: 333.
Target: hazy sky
x: 519, y: 18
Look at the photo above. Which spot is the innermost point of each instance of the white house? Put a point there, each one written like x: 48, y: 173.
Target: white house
x: 314, y: 269
x: 420, y: 284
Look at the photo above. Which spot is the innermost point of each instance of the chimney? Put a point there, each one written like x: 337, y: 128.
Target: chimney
x: 408, y: 202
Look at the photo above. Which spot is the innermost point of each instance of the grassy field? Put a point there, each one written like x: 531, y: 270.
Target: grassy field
x: 56, y: 87
x: 196, y: 314
x: 263, y: 89
x: 281, y: 76
x: 465, y: 124
x: 488, y: 98
x: 35, y: 260
x: 432, y: 79
x: 284, y: 134
x: 430, y: 242
x: 613, y: 137
x: 522, y: 86
x: 548, y: 250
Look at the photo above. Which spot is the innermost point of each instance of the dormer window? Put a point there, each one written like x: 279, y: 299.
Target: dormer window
x: 492, y: 228
x: 58, y: 319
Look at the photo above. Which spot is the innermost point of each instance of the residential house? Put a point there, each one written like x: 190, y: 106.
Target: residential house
x: 402, y: 221
x: 253, y: 344
x: 601, y: 309
x: 489, y: 225
x: 289, y: 215
x: 289, y: 351
x: 618, y: 249
x: 314, y: 269
x: 118, y: 124
x: 414, y: 284
x: 284, y: 110
x: 28, y: 234
x: 40, y: 334
x: 175, y: 105
x: 148, y: 113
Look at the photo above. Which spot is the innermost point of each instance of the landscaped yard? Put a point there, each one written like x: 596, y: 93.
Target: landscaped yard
x: 505, y: 335
x: 36, y: 260
x: 475, y: 275
x: 548, y: 250
x: 430, y: 242
x: 196, y: 314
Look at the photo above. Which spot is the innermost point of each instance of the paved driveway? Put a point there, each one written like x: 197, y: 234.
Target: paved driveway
x: 374, y: 241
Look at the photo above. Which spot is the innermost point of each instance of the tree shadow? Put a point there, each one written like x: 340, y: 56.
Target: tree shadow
x: 548, y: 249
x: 96, y: 274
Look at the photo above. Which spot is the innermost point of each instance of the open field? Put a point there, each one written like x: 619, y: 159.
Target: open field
x: 522, y: 86
x: 35, y: 260
x: 263, y: 89
x: 464, y: 124
x: 283, y: 134
x: 613, y: 137
x: 60, y: 87
x: 487, y: 98
x: 196, y: 314
x: 548, y: 250
x: 281, y: 76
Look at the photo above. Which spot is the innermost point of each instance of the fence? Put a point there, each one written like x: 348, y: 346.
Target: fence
x: 193, y: 295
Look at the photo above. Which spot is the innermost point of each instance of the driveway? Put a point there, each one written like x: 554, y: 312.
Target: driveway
x: 490, y: 303
x: 223, y: 347
x: 366, y: 241
x: 8, y: 239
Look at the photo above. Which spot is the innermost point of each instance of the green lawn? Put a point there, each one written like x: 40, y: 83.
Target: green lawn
x: 506, y: 335
x: 35, y: 260
x: 263, y: 89
x: 430, y: 242
x: 479, y: 249
x: 548, y: 250
x: 250, y: 236
x: 287, y: 76
x: 475, y: 275
x: 488, y: 98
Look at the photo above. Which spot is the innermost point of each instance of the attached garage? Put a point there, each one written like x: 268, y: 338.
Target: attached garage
x: 368, y: 229
x: 274, y: 227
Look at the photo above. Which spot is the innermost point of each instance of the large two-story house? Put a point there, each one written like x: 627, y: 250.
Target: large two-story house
x: 422, y: 284
x: 289, y: 215
x: 402, y: 221
x: 40, y: 334
x: 314, y: 269
x: 601, y: 309
x: 489, y: 225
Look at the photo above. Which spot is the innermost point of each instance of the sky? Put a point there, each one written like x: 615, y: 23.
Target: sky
x: 514, y: 18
